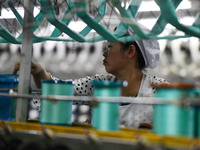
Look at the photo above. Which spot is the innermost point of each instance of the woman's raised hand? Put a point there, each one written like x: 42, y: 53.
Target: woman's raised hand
x: 35, y: 68
x: 38, y: 72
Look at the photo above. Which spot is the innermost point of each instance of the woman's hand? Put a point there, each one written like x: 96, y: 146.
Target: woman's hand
x: 38, y: 72
x: 35, y: 68
x: 16, y: 68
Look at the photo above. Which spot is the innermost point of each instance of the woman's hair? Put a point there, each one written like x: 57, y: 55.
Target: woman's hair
x: 140, y: 59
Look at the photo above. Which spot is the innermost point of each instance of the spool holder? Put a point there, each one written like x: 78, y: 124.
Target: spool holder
x: 183, y: 101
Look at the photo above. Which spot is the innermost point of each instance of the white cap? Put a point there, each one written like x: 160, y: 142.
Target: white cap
x: 149, y: 48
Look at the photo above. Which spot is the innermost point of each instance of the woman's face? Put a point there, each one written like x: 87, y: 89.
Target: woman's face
x: 114, y: 58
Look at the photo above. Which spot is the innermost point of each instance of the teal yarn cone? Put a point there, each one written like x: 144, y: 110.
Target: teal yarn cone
x: 173, y: 120
x: 105, y: 116
x: 57, y: 112
x: 197, y: 113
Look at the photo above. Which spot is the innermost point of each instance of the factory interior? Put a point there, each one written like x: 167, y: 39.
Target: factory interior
x: 69, y: 39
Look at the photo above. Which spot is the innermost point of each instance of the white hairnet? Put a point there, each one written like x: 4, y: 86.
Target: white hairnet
x: 150, y: 50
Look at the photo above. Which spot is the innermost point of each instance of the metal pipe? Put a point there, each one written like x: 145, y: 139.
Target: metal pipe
x: 138, y: 100
x: 25, y: 61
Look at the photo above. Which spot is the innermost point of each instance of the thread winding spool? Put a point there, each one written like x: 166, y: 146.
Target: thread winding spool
x: 171, y: 119
x: 105, y: 116
x: 8, y: 104
x: 56, y: 112
x: 197, y: 114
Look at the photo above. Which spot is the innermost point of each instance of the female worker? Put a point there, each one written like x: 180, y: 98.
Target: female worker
x: 124, y: 62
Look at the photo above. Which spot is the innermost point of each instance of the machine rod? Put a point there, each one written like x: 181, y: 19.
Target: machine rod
x: 25, y: 61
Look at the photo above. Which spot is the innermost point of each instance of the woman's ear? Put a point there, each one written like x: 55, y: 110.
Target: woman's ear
x: 131, y: 51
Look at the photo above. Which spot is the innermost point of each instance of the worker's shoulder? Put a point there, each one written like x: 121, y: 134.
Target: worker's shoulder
x: 104, y: 77
x: 156, y: 79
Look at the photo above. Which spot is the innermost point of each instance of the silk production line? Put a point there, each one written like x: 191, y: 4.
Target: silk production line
x: 16, y: 132
x: 56, y: 132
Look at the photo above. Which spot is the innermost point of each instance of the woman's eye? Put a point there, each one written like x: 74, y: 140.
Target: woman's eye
x: 109, y: 46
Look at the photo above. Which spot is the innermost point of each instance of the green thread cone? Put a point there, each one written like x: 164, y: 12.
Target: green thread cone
x: 173, y: 120
x: 105, y: 116
x: 56, y: 112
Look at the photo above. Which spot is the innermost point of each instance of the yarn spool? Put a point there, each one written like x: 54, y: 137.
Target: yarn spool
x: 56, y: 112
x: 105, y: 116
x: 8, y: 104
x: 197, y: 113
x: 173, y: 120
